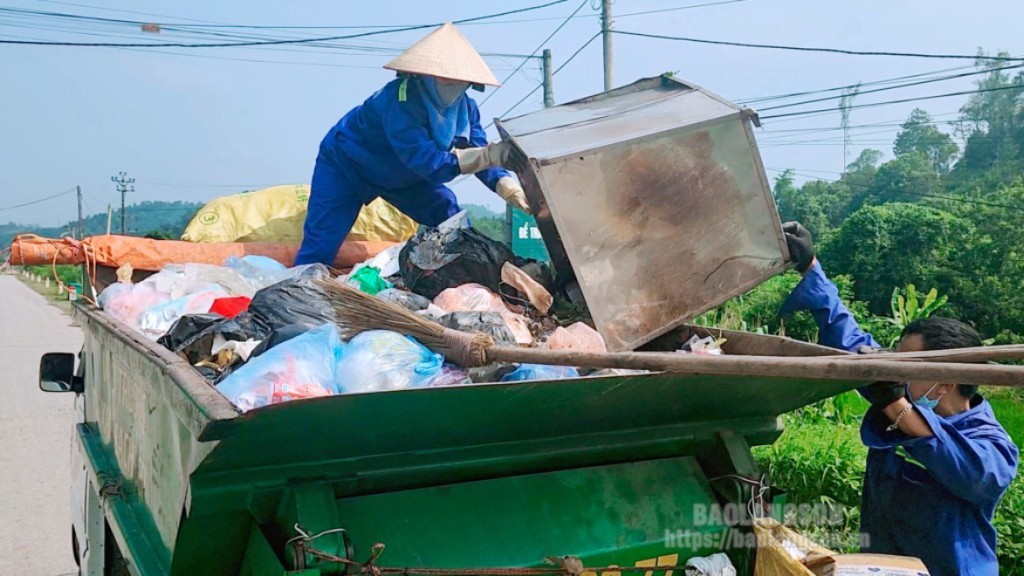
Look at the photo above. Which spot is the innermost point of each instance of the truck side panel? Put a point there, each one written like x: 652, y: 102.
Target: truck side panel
x: 146, y: 409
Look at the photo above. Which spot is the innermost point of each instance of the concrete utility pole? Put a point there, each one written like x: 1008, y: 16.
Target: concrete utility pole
x: 606, y: 39
x: 81, y: 227
x: 549, y: 87
x: 124, y: 186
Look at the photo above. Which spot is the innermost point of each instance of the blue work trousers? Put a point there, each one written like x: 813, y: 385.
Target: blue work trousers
x: 337, y: 194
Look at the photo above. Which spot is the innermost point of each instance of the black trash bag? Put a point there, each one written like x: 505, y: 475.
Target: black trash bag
x: 296, y: 300
x: 440, y: 258
x: 408, y: 300
x: 490, y: 323
x: 193, y: 334
x: 282, y: 334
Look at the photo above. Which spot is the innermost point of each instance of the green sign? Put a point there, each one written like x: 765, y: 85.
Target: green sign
x: 526, y: 240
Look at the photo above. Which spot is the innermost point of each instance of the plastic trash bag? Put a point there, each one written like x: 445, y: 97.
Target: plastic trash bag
x: 296, y: 300
x: 368, y: 279
x: 408, y: 300
x: 780, y: 550
x: 156, y: 321
x: 304, y: 367
x: 193, y: 335
x: 127, y: 302
x: 713, y: 565
x: 577, y: 337
x: 386, y: 261
x: 490, y: 323
x: 231, y: 306
x: 450, y: 375
x: 281, y: 335
x: 477, y: 298
x: 452, y: 255
x: 540, y: 372
x: 380, y: 360
x: 184, y: 278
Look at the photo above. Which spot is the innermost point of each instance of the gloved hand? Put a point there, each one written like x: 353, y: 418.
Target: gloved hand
x: 801, y: 248
x: 473, y: 160
x: 513, y: 193
x: 881, y: 394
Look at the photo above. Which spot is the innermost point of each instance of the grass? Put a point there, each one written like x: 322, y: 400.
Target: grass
x: 59, y: 301
x: 820, y: 459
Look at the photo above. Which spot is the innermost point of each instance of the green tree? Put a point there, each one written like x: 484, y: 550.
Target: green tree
x: 918, y: 134
x: 910, y: 177
x: 894, y: 245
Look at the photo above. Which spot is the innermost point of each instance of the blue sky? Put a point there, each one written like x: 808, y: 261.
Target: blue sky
x: 192, y: 124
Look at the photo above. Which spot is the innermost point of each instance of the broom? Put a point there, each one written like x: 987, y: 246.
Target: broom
x: 359, y: 312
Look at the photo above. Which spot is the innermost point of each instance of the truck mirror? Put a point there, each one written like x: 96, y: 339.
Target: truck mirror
x: 57, y: 373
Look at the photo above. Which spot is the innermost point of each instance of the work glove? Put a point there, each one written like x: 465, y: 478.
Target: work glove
x: 881, y: 394
x: 801, y: 249
x: 473, y: 160
x: 513, y: 193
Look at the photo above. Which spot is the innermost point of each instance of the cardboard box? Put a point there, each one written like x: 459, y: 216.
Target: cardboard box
x: 866, y: 565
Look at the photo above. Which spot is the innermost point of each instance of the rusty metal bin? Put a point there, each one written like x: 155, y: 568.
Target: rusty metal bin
x: 652, y: 201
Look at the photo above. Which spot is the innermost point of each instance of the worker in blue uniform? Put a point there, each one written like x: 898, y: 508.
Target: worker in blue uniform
x: 938, y: 461
x: 404, y: 143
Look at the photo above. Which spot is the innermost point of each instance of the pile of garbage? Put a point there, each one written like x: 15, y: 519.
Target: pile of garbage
x: 263, y: 333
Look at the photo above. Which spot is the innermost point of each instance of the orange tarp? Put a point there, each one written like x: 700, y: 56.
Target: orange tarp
x: 149, y: 254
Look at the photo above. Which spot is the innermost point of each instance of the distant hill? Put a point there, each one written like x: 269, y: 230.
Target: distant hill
x: 164, y: 218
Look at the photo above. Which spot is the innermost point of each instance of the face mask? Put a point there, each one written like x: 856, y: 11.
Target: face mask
x: 926, y: 403
x: 450, y: 90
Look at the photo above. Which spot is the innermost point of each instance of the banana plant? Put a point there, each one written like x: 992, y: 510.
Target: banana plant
x: 908, y: 305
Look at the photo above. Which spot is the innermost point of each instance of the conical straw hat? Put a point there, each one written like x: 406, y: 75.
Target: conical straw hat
x: 445, y: 53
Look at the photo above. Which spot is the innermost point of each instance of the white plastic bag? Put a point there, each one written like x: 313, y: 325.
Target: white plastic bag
x: 304, y: 367
x: 380, y: 360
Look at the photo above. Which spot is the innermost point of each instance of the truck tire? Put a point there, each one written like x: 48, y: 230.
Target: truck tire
x: 114, y: 563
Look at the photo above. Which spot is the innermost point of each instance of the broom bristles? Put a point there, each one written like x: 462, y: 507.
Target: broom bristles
x: 357, y: 312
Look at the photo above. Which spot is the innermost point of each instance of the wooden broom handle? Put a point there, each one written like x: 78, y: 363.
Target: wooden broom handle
x: 975, y: 354
x: 867, y: 369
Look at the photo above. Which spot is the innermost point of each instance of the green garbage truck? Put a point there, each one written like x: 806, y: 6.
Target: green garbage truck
x: 653, y: 205
x: 615, y: 470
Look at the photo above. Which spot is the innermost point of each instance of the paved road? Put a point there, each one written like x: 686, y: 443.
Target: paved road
x: 35, y: 436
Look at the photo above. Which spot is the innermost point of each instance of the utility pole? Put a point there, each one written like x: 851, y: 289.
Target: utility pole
x: 549, y: 88
x: 606, y: 40
x: 109, y: 215
x: 81, y: 227
x: 124, y: 186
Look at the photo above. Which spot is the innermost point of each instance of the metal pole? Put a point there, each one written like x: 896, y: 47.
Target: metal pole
x: 549, y: 88
x: 606, y: 38
x: 110, y: 214
x: 81, y: 227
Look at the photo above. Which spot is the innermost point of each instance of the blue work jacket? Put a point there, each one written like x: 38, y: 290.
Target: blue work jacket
x: 933, y: 497
x: 386, y: 140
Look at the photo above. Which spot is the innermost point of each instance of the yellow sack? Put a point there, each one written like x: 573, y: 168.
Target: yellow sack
x: 776, y: 546
x: 277, y: 214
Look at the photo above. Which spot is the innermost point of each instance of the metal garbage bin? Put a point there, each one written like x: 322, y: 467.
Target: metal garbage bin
x: 652, y: 201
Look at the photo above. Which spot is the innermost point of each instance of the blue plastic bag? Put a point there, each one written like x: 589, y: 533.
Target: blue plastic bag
x: 304, y: 367
x: 380, y: 360
x: 540, y: 372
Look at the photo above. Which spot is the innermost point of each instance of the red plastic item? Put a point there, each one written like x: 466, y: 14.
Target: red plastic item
x: 230, y: 307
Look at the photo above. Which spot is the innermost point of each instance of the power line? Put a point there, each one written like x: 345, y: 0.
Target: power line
x: 40, y: 200
x: 534, y: 91
x: 271, y: 42
x: 896, y: 87
x: 557, y: 70
x: 827, y: 50
x: 617, y: 16
x: 535, y: 50
x: 902, y: 101
x: 908, y: 192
